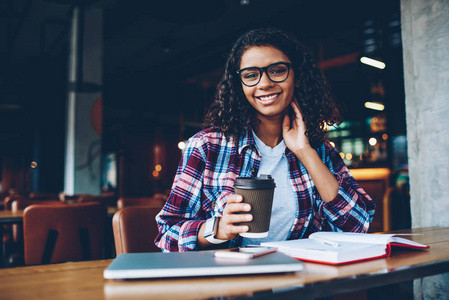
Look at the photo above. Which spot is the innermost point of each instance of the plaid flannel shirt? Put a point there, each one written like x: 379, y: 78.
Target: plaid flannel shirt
x: 206, y: 174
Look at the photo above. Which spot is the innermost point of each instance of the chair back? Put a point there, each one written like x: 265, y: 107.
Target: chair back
x: 140, y: 201
x: 108, y: 200
x: 8, y: 201
x: 22, y: 203
x: 69, y: 199
x: 135, y: 229
x: 60, y: 233
x: 43, y: 196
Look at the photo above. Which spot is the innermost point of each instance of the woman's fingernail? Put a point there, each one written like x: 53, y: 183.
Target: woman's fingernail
x: 248, y: 217
x: 247, y: 207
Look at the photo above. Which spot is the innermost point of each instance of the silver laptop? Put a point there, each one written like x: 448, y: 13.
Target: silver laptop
x: 191, y: 264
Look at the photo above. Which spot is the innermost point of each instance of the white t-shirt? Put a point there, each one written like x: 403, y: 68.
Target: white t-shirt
x: 285, y: 205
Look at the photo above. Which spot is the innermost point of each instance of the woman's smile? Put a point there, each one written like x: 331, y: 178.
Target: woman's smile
x: 267, y: 98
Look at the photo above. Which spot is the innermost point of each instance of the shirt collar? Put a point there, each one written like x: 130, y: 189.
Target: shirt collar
x: 246, y: 140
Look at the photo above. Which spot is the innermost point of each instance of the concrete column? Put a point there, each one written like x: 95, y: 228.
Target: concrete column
x: 425, y: 39
x: 84, y: 109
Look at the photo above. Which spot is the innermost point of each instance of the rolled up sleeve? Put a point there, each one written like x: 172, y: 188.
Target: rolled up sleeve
x: 181, y: 217
x: 352, y: 209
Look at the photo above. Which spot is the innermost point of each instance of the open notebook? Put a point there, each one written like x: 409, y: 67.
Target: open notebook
x: 191, y: 264
x: 343, y: 247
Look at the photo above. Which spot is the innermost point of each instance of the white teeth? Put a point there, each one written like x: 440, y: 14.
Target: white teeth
x: 268, y: 98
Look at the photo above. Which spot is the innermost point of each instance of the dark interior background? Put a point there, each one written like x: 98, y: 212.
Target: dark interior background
x: 161, y: 63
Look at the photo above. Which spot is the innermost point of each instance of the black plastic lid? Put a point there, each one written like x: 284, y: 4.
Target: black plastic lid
x: 261, y: 182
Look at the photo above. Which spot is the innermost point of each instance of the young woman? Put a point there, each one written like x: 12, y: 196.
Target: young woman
x: 269, y: 116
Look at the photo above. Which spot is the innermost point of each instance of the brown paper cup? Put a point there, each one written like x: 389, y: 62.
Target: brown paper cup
x: 258, y: 192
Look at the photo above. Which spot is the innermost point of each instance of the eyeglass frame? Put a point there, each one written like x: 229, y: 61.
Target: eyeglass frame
x: 261, y: 70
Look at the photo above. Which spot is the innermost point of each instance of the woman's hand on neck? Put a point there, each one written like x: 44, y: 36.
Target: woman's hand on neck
x: 294, y: 131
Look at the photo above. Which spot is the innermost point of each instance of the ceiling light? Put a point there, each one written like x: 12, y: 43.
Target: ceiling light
x: 372, y: 62
x: 375, y: 106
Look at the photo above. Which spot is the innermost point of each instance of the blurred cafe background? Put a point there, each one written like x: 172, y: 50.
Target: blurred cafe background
x: 97, y: 97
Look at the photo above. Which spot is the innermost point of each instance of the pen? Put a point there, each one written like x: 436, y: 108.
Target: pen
x: 327, y: 242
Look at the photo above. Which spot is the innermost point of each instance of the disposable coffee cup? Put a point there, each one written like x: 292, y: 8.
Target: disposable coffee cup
x: 258, y: 192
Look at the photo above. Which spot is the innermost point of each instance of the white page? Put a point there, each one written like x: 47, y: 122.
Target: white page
x: 364, y: 238
x: 317, y: 251
x: 353, y: 237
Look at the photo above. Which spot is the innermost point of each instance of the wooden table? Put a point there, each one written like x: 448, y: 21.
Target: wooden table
x: 84, y: 280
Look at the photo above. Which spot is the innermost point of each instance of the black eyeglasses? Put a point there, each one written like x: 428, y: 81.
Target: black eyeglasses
x: 277, y: 72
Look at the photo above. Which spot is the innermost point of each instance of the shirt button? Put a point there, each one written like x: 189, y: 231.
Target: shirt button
x: 253, y: 170
x: 213, y: 204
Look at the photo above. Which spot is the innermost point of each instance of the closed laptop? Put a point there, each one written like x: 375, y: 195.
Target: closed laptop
x: 190, y: 264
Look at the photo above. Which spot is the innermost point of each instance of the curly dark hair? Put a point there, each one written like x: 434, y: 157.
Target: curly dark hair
x: 231, y: 111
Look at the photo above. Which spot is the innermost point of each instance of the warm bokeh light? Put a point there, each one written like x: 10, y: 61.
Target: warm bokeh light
x: 372, y: 62
x: 33, y: 164
x: 348, y: 156
x: 332, y: 143
x: 155, y: 173
x: 372, y: 141
x: 384, y: 136
x: 181, y: 145
x: 158, y: 168
x: 342, y: 155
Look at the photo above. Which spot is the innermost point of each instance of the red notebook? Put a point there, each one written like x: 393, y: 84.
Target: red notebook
x: 343, y: 247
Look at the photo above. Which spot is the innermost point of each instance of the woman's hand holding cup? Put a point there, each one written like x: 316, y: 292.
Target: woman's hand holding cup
x: 233, y: 215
